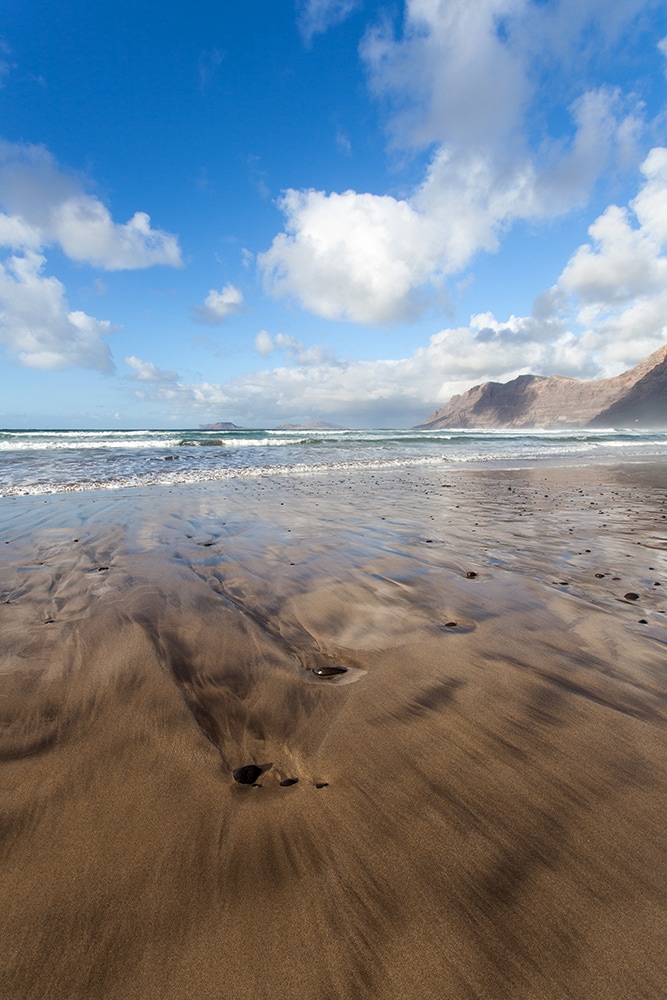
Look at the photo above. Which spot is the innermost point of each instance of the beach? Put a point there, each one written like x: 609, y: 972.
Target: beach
x: 451, y: 680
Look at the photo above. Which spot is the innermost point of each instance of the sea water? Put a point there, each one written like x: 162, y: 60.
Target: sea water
x: 55, y: 461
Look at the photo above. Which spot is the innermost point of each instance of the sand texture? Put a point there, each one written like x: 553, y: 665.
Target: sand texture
x: 480, y: 803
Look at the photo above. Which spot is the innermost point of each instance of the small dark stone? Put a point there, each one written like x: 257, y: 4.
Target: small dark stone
x: 247, y: 775
x: 631, y: 596
x: 329, y: 671
x: 101, y: 569
x: 451, y: 624
x: 642, y: 621
x: 286, y: 782
x: 471, y: 574
x: 599, y: 575
x: 321, y: 784
x: 49, y: 621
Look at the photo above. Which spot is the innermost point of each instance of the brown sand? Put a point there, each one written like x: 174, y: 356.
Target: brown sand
x: 493, y: 819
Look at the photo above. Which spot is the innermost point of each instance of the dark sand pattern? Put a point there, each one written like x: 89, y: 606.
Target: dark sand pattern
x: 387, y: 737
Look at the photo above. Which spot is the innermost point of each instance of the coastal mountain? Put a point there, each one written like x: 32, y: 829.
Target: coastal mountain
x: 636, y: 398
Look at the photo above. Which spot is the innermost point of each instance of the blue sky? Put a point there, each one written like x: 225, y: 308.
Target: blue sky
x: 270, y: 211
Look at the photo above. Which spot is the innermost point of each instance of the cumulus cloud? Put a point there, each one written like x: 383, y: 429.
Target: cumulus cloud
x: 219, y: 305
x: 461, y: 81
x: 37, y: 326
x: 264, y: 343
x: 351, y: 256
x: 293, y: 349
x: 618, y: 281
x: 42, y: 206
x: 317, y: 16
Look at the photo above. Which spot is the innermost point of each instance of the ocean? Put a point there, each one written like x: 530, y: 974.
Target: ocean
x: 35, y: 462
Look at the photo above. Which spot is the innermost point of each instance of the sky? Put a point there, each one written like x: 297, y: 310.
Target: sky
x: 269, y: 211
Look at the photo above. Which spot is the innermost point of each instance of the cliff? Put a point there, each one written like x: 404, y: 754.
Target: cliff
x: 637, y: 398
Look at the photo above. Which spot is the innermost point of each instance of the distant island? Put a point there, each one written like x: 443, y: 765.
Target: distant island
x: 317, y: 425
x: 226, y: 425
x: 222, y: 425
x: 636, y: 398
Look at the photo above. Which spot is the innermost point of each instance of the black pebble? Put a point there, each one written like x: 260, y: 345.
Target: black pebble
x: 631, y: 597
x: 471, y: 574
x: 451, y: 624
x: 247, y: 775
x: 642, y: 621
x: 329, y: 671
x: 286, y: 782
x: 321, y: 784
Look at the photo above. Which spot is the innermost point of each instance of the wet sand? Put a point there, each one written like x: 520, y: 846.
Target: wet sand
x: 480, y: 803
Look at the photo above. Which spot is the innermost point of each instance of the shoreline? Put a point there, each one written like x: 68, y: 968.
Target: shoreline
x: 478, y: 807
x: 45, y: 467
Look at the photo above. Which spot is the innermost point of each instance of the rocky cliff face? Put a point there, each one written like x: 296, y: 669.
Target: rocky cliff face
x: 636, y: 398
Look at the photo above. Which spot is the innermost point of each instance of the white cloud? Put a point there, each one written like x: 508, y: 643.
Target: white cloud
x: 317, y: 16
x: 456, y: 78
x: 292, y: 348
x: 462, y: 81
x: 37, y: 326
x: 219, y: 305
x: 86, y: 232
x: 618, y: 281
x: 352, y: 256
x: 264, y: 343
x: 146, y: 371
x: 44, y: 206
